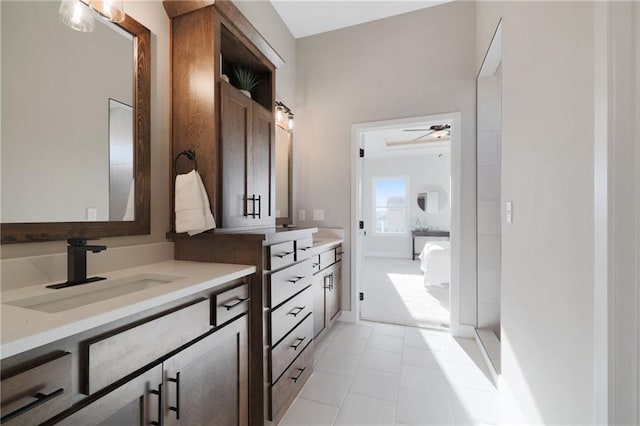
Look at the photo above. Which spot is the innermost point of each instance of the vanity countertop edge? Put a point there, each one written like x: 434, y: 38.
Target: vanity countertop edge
x: 23, y: 329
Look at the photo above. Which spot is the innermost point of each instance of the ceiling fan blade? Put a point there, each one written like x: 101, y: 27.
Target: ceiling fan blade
x: 415, y: 130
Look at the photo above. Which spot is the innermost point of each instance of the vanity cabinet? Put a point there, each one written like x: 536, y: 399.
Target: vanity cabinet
x: 248, y: 160
x: 184, y: 363
x: 327, y: 284
x: 136, y: 402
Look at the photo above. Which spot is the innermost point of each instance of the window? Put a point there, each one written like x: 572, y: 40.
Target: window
x: 390, y: 204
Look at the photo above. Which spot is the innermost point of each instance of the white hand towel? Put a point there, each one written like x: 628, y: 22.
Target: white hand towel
x: 192, y: 204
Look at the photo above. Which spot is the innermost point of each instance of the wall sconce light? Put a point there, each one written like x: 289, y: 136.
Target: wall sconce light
x: 284, y: 116
x: 113, y: 10
x: 77, y: 15
x: 290, y: 122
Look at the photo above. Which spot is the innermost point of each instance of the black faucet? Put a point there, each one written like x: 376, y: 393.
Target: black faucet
x: 77, y: 263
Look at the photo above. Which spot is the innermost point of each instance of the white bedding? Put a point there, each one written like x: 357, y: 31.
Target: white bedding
x: 435, y: 262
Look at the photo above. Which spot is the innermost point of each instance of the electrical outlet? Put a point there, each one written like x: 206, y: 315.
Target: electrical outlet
x: 92, y: 214
x: 302, y: 215
x: 318, y: 215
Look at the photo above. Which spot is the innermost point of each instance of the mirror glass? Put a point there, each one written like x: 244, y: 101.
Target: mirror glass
x: 67, y: 118
x: 283, y: 176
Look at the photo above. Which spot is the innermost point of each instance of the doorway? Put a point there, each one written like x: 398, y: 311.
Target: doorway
x: 406, y: 192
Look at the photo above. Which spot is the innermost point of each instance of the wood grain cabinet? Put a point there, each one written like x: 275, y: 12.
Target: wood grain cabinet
x: 327, y: 285
x: 247, y: 160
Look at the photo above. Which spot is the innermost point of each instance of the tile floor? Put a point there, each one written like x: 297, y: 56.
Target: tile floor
x: 395, y: 293
x: 381, y: 374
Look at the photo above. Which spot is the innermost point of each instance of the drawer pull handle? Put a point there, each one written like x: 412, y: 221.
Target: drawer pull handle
x: 177, y: 407
x: 296, y: 279
x: 297, y: 345
x: 160, y: 410
x: 339, y: 253
x: 305, y: 248
x: 40, y: 397
x: 282, y: 255
x: 315, y: 264
x: 240, y: 300
x: 297, y: 310
x: 301, y: 372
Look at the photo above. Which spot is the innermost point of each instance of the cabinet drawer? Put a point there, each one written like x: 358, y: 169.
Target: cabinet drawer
x: 289, y: 281
x: 38, y: 391
x: 290, y: 347
x: 112, y: 357
x: 289, y: 315
x: 284, y: 391
x: 303, y: 248
x: 229, y: 304
x: 327, y: 258
x: 315, y: 263
x: 281, y: 255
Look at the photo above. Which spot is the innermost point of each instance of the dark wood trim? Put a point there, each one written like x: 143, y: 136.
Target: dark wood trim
x: 177, y: 8
x: 52, y: 231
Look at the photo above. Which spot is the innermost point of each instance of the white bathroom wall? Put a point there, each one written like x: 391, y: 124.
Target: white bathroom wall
x: 547, y: 309
x: 409, y: 65
x: 425, y: 172
x: 489, y: 225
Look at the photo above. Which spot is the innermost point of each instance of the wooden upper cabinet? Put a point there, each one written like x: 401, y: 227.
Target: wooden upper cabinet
x: 231, y: 134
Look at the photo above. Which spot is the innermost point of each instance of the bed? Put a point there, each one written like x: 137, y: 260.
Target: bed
x: 435, y: 262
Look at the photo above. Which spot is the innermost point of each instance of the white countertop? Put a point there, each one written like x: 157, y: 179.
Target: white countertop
x: 24, y: 329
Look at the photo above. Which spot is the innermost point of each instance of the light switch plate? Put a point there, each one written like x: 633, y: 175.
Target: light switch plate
x: 318, y: 215
x: 92, y: 214
x: 302, y: 215
x: 509, y: 212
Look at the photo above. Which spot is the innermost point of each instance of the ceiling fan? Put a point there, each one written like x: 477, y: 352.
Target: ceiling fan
x: 437, y: 131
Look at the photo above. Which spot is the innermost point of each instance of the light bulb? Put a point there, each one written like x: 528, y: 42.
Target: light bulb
x: 279, y: 114
x: 113, y: 10
x: 76, y: 15
x: 290, y: 122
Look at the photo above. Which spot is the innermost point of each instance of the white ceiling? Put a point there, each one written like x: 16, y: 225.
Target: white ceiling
x: 380, y: 143
x: 308, y: 17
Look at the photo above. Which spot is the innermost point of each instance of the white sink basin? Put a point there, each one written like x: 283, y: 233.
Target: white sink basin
x: 84, y: 294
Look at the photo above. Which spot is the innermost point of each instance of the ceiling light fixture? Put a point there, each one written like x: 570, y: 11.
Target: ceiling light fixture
x: 77, y: 15
x: 113, y: 10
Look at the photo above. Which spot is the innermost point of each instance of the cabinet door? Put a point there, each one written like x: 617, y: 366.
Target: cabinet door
x: 333, y: 291
x: 207, y: 383
x: 263, y: 161
x: 134, y: 403
x: 235, y: 133
x: 318, y: 288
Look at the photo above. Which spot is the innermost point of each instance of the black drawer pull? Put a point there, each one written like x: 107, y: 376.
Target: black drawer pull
x: 301, y: 372
x: 305, y: 248
x: 158, y: 392
x: 315, y: 264
x: 339, y: 253
x: 282, y: 255
x: 40, y: 397
x: 297, y: 310
x: 177, y: 407
x: 297, y: 345
x: 240, y: 300
x: 295, y: 280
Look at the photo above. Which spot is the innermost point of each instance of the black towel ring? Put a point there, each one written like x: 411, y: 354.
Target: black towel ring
x: 191, y: 155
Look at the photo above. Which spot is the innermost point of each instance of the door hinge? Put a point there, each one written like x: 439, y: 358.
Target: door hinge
x: 361, y: 224
x: 361, y: 296
x: 361, y: 152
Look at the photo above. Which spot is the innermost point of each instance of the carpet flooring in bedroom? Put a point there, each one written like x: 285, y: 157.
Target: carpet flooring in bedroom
x: 395, y: 293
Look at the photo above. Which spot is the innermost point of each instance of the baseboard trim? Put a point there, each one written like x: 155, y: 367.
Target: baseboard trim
x: 461, y: 330
x: 388, y: 254
x: 495, y: 375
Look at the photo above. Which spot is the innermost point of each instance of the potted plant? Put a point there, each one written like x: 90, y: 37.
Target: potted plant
x: 246, y: 80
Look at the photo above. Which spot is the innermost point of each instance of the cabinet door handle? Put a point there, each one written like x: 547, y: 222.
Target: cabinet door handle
x: 230, y: 306
x: 296, y: 279
x: 331, y: 281
x: 324, y: 282
x: 283, y: 254
x: 298, y: 343
x: 297, y: 310
x: 177, y: 407
x: 158, y: 392
x: 259, y: 207
x: 301, y: 372
x: 40, y: 397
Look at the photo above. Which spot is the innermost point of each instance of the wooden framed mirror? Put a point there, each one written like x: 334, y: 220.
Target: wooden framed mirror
x: 284, y: 176
x: 49, y: 190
